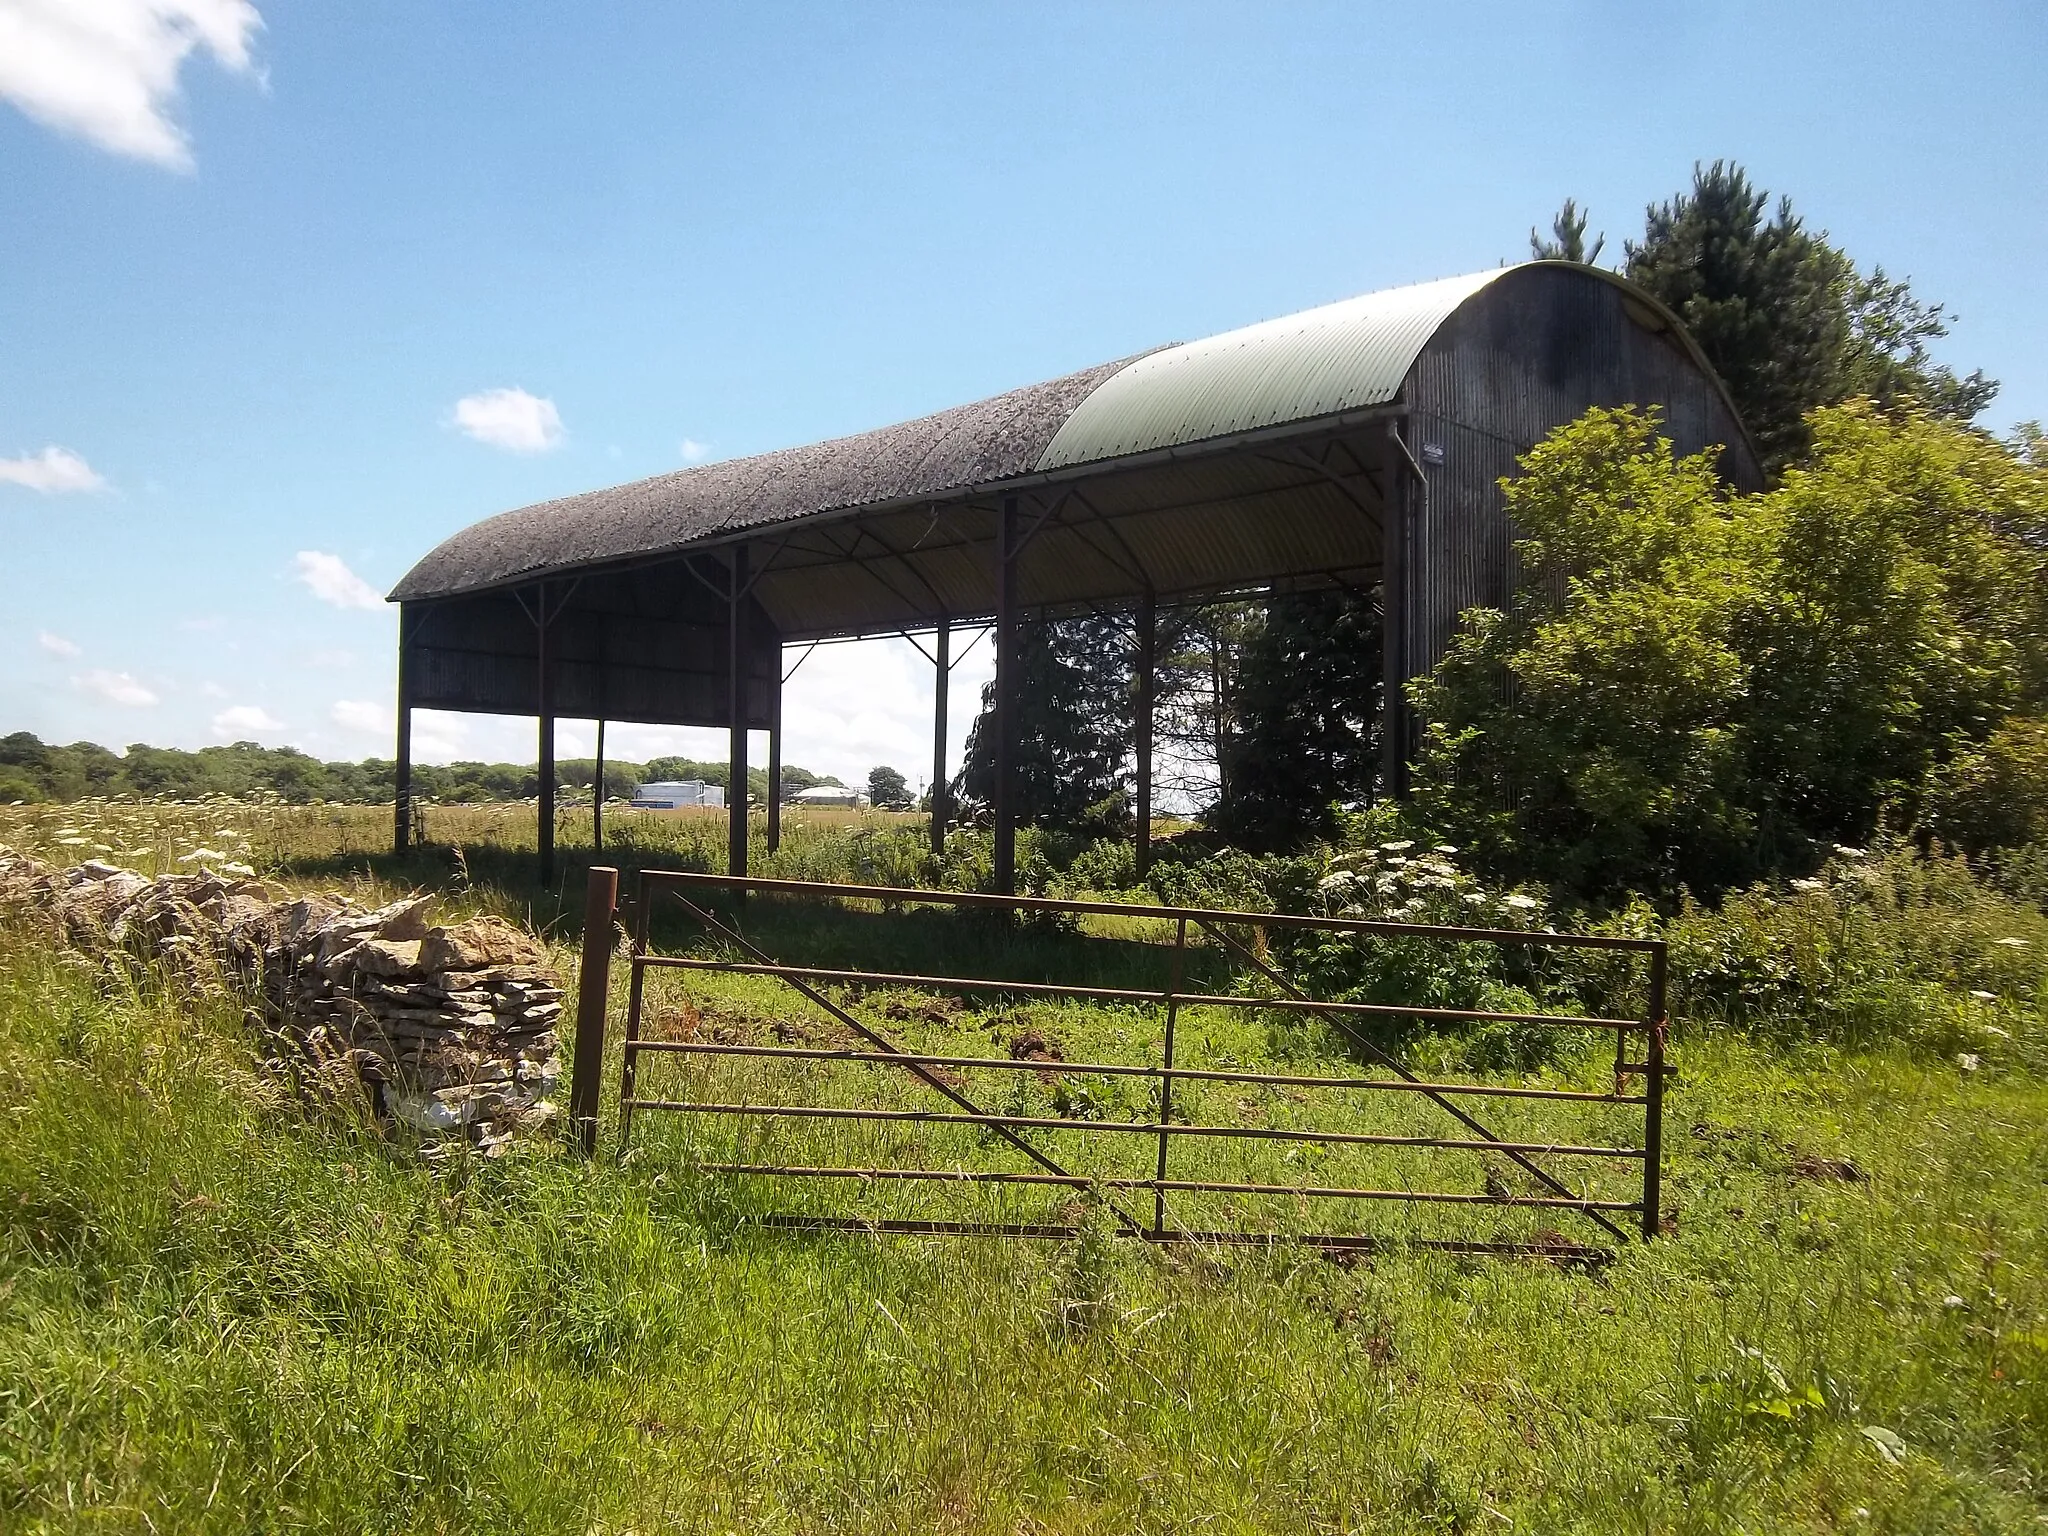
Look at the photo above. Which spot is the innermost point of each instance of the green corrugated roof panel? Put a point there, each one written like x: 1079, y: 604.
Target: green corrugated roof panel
x: 1320, y: 362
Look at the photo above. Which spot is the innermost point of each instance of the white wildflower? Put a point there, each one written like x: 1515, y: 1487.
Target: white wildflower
x: 1969, y: 1061
x: 1520, y: 903
x: 1444, y: 848
x: 1402, y: 847
x: 201, y: 856
x: 1843, y: 851
x: 1809, y: 885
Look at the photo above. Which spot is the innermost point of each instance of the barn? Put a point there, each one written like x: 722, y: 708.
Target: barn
x: 1359, y: 444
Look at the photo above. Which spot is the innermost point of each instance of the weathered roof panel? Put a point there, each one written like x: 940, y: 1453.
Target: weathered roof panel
x: 969, y: 445
x: 1321, y: 362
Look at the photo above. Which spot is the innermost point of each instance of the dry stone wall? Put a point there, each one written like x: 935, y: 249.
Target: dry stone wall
x: 448, y: 1028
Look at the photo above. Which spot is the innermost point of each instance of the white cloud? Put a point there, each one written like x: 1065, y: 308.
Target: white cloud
x: 243, y: 720
x: 329, y: 579
x: 107, y: 70
x: 57, y: 645
x: 694, y: 452
x: 850, y: 707
x: 362, y: 716
x: 214, y: 691
x: 510, y: 419
x: 54, y: 470
x: 115, y: 688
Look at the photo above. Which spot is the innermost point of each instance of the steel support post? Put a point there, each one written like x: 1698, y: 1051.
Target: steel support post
x: 736, y: 705
x: 401, y: 812
x: 1394, y: 625
x: 1006, y: 699
x: 1148, y: 631
x: 546, y: 711
x: 942, y: 655
x: 593, y: 994
x: 597, y: 798
x: 775, y: 760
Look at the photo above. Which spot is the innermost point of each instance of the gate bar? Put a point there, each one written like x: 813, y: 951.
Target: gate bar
x: 909, y: 896
x: 861, y: 1029
x: 1521, y: 1160
x: 1191, y: 1186
x: 1135, y: 994
x: 1145, y: 1128
x: 1125, y: 1069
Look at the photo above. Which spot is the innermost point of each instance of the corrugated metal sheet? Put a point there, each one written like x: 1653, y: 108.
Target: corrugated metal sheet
x: 1321, y: 362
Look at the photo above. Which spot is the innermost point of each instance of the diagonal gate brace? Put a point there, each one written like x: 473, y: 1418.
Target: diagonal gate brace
x: 916, y: 1069
x: 1557, y: 1186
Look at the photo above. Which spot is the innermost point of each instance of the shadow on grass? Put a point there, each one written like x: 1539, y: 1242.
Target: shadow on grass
x: 793, y: 930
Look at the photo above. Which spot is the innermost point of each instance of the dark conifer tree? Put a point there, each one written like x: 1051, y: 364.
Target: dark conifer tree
x: 1307, y: 720
x: 1073, y: 723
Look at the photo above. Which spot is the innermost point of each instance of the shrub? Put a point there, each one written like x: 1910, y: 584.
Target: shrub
x: 1879, y: 947
x: 1995, y: 796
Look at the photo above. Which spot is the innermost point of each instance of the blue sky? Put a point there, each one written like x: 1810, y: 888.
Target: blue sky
x: 254, y: 258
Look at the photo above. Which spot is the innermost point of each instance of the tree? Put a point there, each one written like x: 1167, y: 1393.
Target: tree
x: 1072, y: 723
x: 1762, y: 297
x: 1887, y: 356
x: 1567, y: 240
x: 1693, y: 689
x: 1785, y: 317
x: 1307, y: 716
x: 887, y: 789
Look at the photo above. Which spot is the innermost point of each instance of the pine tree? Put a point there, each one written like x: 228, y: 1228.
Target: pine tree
x: 1307, y: 720
x: 1567, y: 240
x: 1762, y: 297
x: 1073, y: 731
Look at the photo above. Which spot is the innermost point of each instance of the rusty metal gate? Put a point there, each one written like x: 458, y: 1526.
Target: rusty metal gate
x: 711, y: 902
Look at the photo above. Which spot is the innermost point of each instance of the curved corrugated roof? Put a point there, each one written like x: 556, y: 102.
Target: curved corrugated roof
x: 1318, y: 363
x: 1305, y: 367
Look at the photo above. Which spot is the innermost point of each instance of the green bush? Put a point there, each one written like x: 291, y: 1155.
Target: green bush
x: 1879, y: 947
x: 1995, y: 796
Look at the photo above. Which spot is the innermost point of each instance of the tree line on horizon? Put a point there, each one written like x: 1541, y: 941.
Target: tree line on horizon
x: 32, y: 770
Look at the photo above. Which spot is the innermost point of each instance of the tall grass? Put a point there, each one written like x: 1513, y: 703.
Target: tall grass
x: 219, y: 1315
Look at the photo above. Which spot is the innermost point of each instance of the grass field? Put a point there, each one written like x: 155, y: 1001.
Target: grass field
x: 215, y: 1315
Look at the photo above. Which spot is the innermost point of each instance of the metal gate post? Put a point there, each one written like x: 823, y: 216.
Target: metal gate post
x: 593, y: 992
x: 1653, y: 1093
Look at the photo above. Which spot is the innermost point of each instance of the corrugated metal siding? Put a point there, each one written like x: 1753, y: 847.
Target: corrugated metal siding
x: 1321, y: 362
x: 479, y: 654
x: 1540, y: 349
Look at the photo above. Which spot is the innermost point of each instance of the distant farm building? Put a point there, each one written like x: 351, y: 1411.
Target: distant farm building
x: 828, y: 794
x: 671, y: 796
x: 1359, y: 445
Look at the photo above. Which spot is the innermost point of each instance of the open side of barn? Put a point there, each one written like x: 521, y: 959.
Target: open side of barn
x: 1359, y: 445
